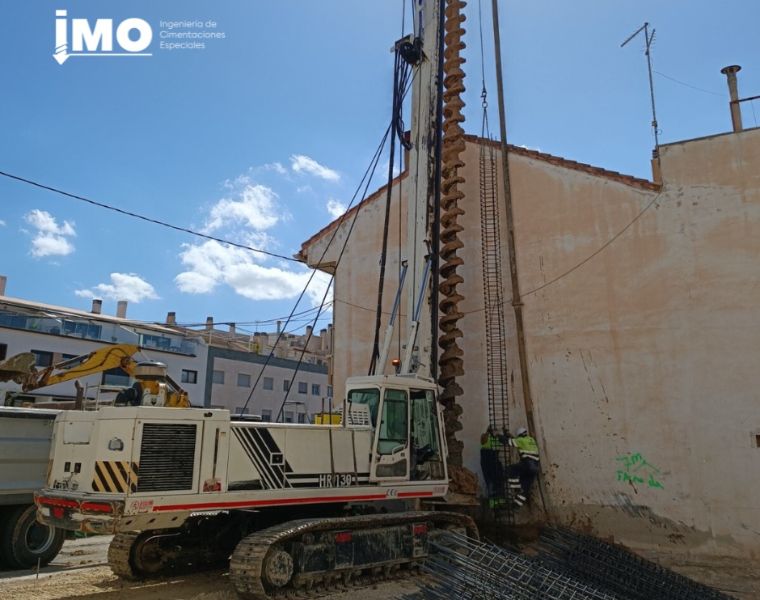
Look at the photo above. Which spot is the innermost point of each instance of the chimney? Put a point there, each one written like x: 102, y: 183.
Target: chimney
x: 232, y: 329
x: 97, y: 306
x: 121, y: 309
x: 323, y: 339
x: 171, y: 318
x: 209, y: 323
x: 279, y: 326
x: 733, y: 91
x: 309, y: 331
x: 3, y: 281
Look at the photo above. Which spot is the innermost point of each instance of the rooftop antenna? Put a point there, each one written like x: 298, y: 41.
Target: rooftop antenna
x: 649, y: 39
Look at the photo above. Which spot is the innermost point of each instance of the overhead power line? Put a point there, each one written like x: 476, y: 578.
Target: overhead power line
x: 688, y: 85
x: 555, y: 279
x: 144, y: 218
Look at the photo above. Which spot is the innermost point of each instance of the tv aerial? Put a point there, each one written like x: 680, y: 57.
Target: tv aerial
x: 648, y: 39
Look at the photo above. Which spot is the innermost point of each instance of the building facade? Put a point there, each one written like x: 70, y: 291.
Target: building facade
x: 217, y: 368
x: 281, y: 392
x: 54, y: 334
x: 642, y: 332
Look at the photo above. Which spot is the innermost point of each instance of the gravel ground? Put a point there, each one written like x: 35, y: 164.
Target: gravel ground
x: 79, y: 571
x: 98, y: 583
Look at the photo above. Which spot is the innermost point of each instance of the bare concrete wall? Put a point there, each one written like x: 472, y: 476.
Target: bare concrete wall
x: 643, y: 332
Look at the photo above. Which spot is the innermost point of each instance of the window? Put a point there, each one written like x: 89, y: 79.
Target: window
x: 288, y: 416
x: 424, y: 420
x: 3, y: 351
x: 42, y: 358
x: 115, y: 376
x: 315, y: 389
x: 302, y: 387
x: 268, y: 383
x: 394, y: 426
x: 241, y: 410
x: 301, y: 417
x: 217, y: 377
x: 189, y: 376
x: 266, y: 414
x: 82, y: 329
x: 155, y: 341
x: 329, y: 391
x: 285, y: 385
x: 370, y: 397
x: 244, y: 380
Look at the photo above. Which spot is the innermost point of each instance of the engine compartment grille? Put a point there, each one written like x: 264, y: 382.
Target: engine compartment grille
x: 167, y: 456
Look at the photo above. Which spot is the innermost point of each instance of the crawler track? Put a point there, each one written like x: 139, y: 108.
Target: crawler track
x: 148, y: 554
x: 257, y: 558
x: 119, y: 553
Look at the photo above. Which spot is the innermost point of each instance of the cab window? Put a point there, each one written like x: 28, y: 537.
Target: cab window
x: 370, y: 397
x: 424, y: 420
x: 394, y: 425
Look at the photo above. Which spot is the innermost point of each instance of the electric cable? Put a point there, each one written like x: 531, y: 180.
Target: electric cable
x: 688, y: 85
x: 554, y: 280
x: 144, y: 218
x: 337, y: 264
x: 401, y: 71
x: 240, y: 322
x: 368, y: 174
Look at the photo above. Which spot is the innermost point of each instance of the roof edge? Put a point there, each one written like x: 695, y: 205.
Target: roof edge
x: 616, y: 176
x: 570, y: 164
x: 349, y: 213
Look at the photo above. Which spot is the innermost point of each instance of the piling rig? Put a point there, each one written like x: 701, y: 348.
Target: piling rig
x: 293, y: 506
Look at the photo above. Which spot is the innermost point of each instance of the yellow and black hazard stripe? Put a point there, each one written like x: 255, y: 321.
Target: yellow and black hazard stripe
x: 115, y: 476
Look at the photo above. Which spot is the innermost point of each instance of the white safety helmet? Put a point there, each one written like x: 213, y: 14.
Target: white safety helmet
x: 521, y: 431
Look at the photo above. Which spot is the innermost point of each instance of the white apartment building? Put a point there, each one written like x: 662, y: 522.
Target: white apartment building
x: 216, y: 368
x: 55, y: 333
x: 231, y: 375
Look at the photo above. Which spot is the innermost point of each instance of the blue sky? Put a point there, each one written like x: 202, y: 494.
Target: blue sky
x: 258, y: 137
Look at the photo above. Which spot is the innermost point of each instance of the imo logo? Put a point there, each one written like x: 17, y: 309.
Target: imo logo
x: 133, y: 36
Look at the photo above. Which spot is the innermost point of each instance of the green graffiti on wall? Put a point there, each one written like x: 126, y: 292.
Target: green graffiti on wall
x: 635, y: 469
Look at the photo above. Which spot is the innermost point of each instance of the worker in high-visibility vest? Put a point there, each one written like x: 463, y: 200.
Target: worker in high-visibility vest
x: 493, y: 470
x: 525, y: 472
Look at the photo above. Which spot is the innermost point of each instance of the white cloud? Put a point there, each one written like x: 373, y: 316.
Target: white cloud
x: 211, y: 263
x: 123, y: 286
x: 255, y: 207
x: 305, y: 164
x: 335, y: 208
x: 2, y: 223
x: 50, y: 237
x: 276, y: 167
x: 246, y: 216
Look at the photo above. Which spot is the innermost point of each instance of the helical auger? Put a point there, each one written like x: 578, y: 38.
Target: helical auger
x: 450, y: 360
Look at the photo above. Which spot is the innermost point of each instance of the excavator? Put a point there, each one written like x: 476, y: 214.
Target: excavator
x: 152, y: 386
x: 293, y: 507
